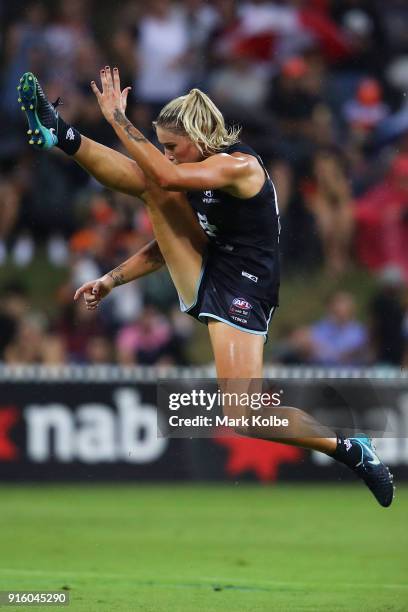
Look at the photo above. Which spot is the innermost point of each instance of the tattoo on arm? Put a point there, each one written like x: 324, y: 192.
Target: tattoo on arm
x: 120, y: 118
x: 117, y: 275
x: 131, y: 131
x: 154, y: 256
x: 145, y: 262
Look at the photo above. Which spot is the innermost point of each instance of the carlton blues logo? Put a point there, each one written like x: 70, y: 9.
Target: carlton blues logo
x: 208, y: 197
x: 240, y: 310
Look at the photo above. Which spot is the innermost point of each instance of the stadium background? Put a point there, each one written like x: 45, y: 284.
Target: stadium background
x: 320, y: 88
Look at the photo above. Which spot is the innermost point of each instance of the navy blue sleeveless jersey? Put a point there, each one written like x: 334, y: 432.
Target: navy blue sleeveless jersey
x: 240, y: 278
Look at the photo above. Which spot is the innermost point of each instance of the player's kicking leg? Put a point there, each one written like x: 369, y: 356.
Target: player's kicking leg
x: 182, y: 241
x: 47, y: 129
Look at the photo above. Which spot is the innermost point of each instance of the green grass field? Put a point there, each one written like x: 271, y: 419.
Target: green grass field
x: 223, y: 548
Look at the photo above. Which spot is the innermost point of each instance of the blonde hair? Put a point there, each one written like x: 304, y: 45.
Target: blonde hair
x: 197, y: 116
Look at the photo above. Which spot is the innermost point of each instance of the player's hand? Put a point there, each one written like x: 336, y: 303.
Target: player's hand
x: 94, y: 291
x: 112, y: 98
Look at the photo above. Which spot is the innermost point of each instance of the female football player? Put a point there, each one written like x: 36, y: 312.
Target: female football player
x: 216, y: 223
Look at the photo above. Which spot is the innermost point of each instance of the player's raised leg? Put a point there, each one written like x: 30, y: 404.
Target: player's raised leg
x: 47, y: 129
x: 111, y: 168
x: 239, y: 358
x: 179, y: 235
x: 181, y: 240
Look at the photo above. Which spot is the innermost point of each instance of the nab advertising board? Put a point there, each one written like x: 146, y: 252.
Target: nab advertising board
x: 101, y: 428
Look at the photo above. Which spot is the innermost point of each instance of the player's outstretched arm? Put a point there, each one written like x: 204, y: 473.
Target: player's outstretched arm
x: 215, y: 172
x: 147, y: 260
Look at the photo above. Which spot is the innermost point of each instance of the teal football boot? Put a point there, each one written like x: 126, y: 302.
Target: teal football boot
x: 41, y: 115
x: 370, y: 468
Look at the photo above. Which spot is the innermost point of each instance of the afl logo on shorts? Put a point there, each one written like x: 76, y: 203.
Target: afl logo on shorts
x: 241, y: 303
x: 240, y: 310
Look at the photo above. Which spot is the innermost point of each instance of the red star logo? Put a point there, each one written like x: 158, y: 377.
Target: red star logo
x: 258, y: 456
x: 9, y: 416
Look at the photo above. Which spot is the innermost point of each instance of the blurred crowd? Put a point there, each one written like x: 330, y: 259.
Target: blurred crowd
x: 320, y: 88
